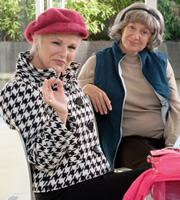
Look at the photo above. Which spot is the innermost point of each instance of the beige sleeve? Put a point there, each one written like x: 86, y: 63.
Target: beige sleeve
x: 86, y: 74
x: 172, y: 128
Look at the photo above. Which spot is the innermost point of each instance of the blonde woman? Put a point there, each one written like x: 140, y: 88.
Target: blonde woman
x: 44, y: 102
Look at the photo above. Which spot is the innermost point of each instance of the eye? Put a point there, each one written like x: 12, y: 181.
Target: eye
x: 55, y: 42
x: 72, y: 47
x: 131, y: 27
x: 144, y: 32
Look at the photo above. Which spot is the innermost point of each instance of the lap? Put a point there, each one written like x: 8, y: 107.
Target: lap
x: 133, y: 151
x: 110, y: 186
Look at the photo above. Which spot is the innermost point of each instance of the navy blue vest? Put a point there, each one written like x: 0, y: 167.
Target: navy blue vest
x: 107, y: 78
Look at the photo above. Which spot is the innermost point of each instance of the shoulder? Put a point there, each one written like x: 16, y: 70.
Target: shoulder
x: 154, y: 57
x: 89, y: 65
x: 18, y: 89
x: 158, y: 54
x: 91, y: 60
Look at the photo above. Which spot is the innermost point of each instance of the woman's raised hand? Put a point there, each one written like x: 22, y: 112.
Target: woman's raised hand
x: 56, y: 99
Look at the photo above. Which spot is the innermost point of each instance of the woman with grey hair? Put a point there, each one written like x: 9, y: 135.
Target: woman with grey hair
x: 150, y: 17
x: 133, y: 89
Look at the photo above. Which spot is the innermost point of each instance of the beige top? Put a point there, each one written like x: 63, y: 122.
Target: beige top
x: 141, y: 103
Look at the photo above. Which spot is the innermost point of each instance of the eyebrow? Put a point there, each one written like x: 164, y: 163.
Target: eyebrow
x: 54, y: 38
x: 140, y: 23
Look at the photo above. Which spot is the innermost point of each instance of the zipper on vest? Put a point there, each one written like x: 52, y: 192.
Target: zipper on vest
x: 122, y: 80
x: 164, y: 102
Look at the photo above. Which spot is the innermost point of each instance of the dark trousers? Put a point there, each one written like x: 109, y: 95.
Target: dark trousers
x: 111, y: 186
x: 133, y: 151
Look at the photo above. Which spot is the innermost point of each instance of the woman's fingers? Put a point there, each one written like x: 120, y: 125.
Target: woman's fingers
x: 107, y: 101
x: 99, y: 99
x: 59, y: 85
x: 102, y: 103
x: 47, y: 92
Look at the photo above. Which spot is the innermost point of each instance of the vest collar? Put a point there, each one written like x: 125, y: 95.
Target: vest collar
x: 118, y: 54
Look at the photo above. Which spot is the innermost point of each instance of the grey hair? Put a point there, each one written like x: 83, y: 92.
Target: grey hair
x: 36, y: 40
x: 152, y: 19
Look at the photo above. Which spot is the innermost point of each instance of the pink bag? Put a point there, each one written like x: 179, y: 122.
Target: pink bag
x: 162, y: 181
x: 165, y: 161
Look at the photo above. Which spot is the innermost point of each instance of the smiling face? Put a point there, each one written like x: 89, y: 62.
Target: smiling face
x: 56, y: 51
x: 135, y: 37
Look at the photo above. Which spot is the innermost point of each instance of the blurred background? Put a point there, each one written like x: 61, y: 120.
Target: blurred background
x: 98, y: 15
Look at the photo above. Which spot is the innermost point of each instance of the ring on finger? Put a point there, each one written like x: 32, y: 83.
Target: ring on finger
x: 50, y: 101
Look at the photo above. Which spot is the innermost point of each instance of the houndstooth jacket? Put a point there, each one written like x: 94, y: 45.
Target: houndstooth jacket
x: 60, y: 155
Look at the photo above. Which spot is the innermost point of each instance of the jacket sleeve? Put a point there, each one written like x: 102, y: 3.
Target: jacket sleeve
x: 172, y: 128
x: 86, y: 75
x: 46, y: 137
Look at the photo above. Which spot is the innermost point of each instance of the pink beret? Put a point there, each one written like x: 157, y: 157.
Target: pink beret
x: 55, y: 20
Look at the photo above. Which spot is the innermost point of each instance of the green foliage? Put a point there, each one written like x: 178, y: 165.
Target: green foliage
x: 10, y: 19
x: 94, y: 13
x: 16, y: 14
x: 118, y: 5
x: 171, y: 13
x: 13, y: 13
x: 97, y: 12
x: 177, y: 2
x: 29, y: 8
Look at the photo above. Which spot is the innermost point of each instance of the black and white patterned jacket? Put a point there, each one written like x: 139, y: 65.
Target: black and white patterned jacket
x: 60, y: 156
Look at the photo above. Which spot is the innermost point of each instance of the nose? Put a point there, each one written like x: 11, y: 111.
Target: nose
x: 63, y: 51
x: 136, y: 34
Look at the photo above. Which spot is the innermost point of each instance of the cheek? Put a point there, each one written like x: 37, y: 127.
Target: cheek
x: 50, y: 54
x: 71, y: 56
x: 125, y: 35
x: 146, y: 41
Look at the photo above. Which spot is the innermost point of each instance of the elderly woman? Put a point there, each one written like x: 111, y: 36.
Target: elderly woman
x: 44, y: 102
x: 133, y: 89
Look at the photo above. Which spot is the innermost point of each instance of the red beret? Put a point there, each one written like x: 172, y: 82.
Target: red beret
x: 55, y: 20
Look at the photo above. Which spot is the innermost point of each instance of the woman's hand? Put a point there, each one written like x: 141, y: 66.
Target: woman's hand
x: 56, y: 99
x: 99, y: 99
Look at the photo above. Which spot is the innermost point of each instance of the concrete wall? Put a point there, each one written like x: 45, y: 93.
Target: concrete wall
x: 8, y: 55
x: 10, y: 50
x: 87, y: 48
x: 172, y: 50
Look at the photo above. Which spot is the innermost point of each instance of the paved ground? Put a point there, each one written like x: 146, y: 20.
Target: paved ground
x: 13, y: 171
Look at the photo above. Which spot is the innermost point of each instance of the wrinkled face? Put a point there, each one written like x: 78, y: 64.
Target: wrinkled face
x: 135, y: 37
x: 56, y: 51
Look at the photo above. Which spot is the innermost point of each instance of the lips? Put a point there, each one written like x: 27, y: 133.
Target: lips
x: 132, y: 43
x: 59, y: 62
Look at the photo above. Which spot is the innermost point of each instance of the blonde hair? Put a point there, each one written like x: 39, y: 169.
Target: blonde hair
x: 36, y: 40
x: 141, y: 13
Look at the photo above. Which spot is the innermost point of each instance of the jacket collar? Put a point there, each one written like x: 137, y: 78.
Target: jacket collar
x: 26, y: 69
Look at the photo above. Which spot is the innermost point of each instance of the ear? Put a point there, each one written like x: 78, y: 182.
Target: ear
x: 37, y: 41
x: 36, y: 46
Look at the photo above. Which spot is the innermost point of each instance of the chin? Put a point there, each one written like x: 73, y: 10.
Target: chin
x: 58, y: 69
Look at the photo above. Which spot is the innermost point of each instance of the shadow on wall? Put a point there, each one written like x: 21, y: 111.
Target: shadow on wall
x: 172, y: 51
x: 9, y: 52
x: 87, y: 48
